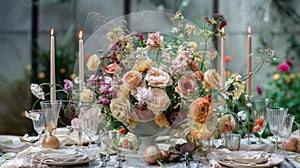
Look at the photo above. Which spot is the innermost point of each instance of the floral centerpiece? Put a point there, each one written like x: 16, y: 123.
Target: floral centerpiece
x: 152, y: 81
x: 149, y: 80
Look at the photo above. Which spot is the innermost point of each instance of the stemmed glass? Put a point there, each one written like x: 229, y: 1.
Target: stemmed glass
x: 276, y: 117
x: 286, y: 130
x: 90, y: 121
x: 51, y: 113
x: 259, y: 107
x: 37, y: 119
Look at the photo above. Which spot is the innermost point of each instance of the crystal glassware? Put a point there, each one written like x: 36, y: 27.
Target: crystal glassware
x: 275, y: 118
x: 51, y: 113
x: 259, y: 107
x: 286, y: 130
x: 90, y: 117
x: 37, y: 119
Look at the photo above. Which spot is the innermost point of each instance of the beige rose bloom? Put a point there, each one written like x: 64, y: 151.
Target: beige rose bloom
x: 160, y: 101
x: 93, y: 63
x: 87, y: 95
x: 142, y: 65
x: 211, y: 79
x: 158, y: 78
x: 120, y: 108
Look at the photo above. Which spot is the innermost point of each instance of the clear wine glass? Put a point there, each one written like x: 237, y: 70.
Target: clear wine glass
x: 37, y: 119
x: 275, y: 118
x: 286, y: 130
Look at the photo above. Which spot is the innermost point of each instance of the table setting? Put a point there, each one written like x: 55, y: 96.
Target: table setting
x: 150, y: 97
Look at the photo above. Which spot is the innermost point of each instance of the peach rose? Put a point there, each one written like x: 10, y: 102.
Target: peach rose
x: 120, y: 108
x: 199, y: 110
x: 160, y: 101
x: 142, y: 66
x: 158, y: 78
x: 161, y: 120
x: 227, y: 123
x: 186, y: 87
x: 154, y: 40
x: 87, y: 95
x: 112, y: 68
x: 132, y: 79
x: 93, y: 63
x: 211, y: 79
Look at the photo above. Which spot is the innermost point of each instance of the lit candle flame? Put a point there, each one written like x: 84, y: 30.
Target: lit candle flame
x: 80, y: 34
x: 249, y: 30
x: 52, y: 32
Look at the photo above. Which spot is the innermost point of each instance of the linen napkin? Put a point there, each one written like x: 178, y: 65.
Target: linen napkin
x: 247, y: 157
x: 11, y: 144
x: 22, y: 159
x: 33, y: 156
x: 63, y: 156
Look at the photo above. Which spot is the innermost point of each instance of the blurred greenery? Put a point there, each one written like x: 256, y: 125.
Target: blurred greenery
x: 284, y: 87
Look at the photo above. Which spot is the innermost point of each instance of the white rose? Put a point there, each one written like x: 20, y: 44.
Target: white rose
x: 87, y: 95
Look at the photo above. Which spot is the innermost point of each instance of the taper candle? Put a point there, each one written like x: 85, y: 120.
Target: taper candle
x: 249, y: 64
x: 52, y: 67
x: 81, y: 61
x: 223, y: 66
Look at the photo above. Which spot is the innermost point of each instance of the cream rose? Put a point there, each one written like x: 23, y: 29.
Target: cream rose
x: 160, y: 101
x: 120, y: 108
x: 158, y: 78
x: 87, y: 95
x: 142, y: 66
x: 211, y: 79
x: 93, y: 63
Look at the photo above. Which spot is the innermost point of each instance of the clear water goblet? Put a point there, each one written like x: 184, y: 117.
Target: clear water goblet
x: 51, y: 112
x: 275, y: 118
x: 37, y: 119
x: 286, y: 130
x: 90, y: 123
x: 259, y: 108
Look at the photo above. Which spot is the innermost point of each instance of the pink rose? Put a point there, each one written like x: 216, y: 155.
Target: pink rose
x: 186, y: 87
x: 158, y: 78
x: 154, y: 40
x: 112, y: 68
x: 227, y: 123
